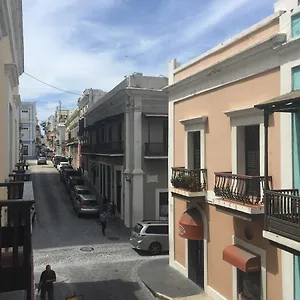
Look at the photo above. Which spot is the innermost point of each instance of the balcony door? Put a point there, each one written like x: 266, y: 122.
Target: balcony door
x: 252, y: 155
x: 194, y: 150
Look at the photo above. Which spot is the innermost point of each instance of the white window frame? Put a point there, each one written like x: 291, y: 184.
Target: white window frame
x: 192, y: 125
x: 157, y: 192
x: 246, y: 117
x: 263, y: 258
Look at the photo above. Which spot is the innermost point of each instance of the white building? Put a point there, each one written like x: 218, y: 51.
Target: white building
x: 28, y: 129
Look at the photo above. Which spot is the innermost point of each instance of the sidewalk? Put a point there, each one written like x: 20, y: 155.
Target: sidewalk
x: 167, y: 283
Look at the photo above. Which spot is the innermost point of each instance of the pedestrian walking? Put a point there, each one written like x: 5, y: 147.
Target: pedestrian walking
x: 46, y: 283
x: 103, y: 222
x: 113, y: 209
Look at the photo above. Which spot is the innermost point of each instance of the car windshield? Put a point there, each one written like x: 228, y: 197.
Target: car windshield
x: 137, y: 228
x: 63, y: 159
x: 83, y: 192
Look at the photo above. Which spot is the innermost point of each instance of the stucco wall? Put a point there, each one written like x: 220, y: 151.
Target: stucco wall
x: 222, y: 227
x: 242, y: 44
x: 239, y: 95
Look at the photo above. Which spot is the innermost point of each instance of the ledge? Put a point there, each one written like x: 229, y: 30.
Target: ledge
x: 244, y: 208
x: 187, y: 193
x: 155, y: 157
x: 281, y: 240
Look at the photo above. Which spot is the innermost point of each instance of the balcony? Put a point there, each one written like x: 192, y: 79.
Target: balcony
x: 189, y: 183
x: 86, y: 148
x: 156, y: 150
x: 110, y: 148
x: 282, y: 218
x: 242, y: 193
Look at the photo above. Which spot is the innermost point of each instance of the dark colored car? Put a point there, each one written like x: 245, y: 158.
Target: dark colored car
x: 74, y: 180
x: 69, y: 172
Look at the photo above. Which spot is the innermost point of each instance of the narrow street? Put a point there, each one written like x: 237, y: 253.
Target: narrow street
x: 109, y: 271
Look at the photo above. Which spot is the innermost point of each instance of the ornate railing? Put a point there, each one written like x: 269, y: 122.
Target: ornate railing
x: 241, y: 188
x: 282, y: 213
x: 15, y: 232
x: 189, y: 180
x: 156, y: 149
x: 72, y: 140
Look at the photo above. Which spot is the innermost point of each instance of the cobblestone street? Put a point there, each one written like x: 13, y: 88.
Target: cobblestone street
x: 109, y: 271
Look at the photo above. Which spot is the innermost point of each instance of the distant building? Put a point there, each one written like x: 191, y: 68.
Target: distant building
x: 28, y: 128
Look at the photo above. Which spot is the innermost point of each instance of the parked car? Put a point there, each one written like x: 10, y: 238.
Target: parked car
x: 152, y: 236
x: 86, y: 204
x: 58, y: 159
x: 63, y: 167
x: 42, y: 160
x: 62, y: 163
x: 67, y: 173
x: 72, y: 181
x: 79, y: 190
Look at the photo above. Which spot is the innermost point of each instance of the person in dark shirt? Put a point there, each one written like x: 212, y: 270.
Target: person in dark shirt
x: 46, y: 283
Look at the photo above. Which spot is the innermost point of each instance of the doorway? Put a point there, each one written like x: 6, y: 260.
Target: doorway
x: 194, y: 150
x: 249, y: 285
x: 196, y: 262
x: 119, y: 190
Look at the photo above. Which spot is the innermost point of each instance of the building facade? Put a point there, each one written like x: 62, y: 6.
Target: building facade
x: 61, y: 116
x: 50, y: 132
x: 11, y: 67
x: 233, y: 159
x: 28, y: 122
x: 72, y: 136
x: 124, y: 147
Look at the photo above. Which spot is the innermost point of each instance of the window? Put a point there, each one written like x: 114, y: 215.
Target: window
x: 156, y: 229
x: 296, y: 78
x: 296, y: 25
x: 25, y: 149
x: 163, y: 205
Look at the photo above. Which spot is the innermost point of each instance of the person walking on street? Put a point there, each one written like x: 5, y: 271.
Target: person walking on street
x: 113, y: 209
x: 46, y: 283
x: 103, y: 222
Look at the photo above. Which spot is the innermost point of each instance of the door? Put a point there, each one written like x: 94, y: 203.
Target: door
x: 196, y: 262
x: 119, y: 190
x: 252, y: 159
x: 163, y: 205
x: 196, y: 150
x: 249, y: 285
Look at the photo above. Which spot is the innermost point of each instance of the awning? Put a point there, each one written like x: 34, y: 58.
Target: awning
x: 241, y: 259
x: 191, y: 225
x: 284, y: 102
x: 158, y: 115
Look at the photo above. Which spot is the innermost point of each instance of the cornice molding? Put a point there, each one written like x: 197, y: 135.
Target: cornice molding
x: 194, y: 121
x: 17, y: 100
x: 4, y: 28
x: 249, y: 111
x: 11, y: 71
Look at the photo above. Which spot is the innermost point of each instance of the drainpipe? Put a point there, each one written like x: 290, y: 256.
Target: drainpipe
x: 266, y: 187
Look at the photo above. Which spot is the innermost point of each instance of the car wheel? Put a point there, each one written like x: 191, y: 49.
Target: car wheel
x: 155, y: 248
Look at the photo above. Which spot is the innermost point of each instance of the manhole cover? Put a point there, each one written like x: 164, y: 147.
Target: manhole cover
x: 113, y: 238
x: 87, y: 249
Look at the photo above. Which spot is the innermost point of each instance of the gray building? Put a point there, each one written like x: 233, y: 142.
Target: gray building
x: 125, y: 146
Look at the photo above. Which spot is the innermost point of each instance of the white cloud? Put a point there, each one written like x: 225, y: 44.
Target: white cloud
x: 97, y: 57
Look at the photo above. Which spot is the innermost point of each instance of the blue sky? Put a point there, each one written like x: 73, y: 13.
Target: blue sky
x: 75, y: 44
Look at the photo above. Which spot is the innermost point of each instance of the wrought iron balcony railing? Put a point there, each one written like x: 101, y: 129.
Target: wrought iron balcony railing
x: 282, y: 213
x: 241, y: 188
x: 156, y: 149
x: 189, y: 180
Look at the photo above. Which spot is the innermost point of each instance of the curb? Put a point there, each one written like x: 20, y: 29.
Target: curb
x: 162, y: 296
x: 156, y: 294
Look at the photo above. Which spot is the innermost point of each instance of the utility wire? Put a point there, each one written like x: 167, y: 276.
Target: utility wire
x: 54, y: 87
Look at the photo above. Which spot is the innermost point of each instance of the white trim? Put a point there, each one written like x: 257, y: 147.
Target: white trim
x: 263, y: 257
x: 252, y: 51
x: 214, y: 294
x: 245, y: 116
x: 157, y: 192
x: 232, y: 40
x: 177, y: 266
x: 171, y: 199
x: 120, y: 169
x: 188, y: 123
x: 12, y: 72
x: 251, y: 210
x: 286, y: 178
x: 281, y: 240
